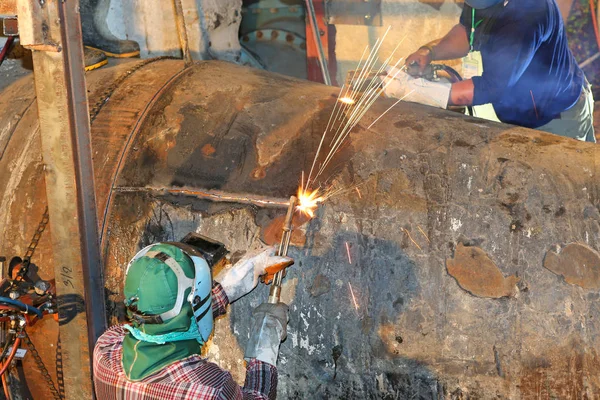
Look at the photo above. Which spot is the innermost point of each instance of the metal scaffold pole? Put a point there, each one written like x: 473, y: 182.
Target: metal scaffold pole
x: 52, y: 30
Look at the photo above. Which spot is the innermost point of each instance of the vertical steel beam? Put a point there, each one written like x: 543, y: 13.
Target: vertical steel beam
x: 325, y: 37
x: 65, y: 136
x: 182, y: 32
x: 316, y: 33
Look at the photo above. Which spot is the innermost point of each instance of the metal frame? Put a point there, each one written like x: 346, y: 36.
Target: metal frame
x: 52, y: 30
x: 326, y: 40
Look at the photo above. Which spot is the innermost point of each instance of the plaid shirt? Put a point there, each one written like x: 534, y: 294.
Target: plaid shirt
x: 190, y: 378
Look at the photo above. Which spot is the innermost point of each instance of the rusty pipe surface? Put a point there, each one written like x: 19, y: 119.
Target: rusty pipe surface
x: 467, y: 242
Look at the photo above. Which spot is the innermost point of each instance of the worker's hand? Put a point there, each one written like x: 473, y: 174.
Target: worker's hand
x: 242, y: 277
x: 400, y: 85
x: 269, y: 329
x: 418, y: 61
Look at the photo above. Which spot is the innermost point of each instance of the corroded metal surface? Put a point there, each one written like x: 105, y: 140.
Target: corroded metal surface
x: 478, y: 275
x: 430, y: 182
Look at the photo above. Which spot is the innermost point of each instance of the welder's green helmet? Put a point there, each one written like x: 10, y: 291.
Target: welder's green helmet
x: 479, y: 4
x: 160, y: 280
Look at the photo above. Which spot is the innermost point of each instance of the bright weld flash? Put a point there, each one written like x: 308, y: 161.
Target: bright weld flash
x: 309, y: 201
x: 347, y: 100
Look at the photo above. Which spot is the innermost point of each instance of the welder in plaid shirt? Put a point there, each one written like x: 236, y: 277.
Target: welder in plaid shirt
x: 171, y: 301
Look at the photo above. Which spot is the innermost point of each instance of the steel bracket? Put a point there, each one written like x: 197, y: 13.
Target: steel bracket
x: 10, y: 26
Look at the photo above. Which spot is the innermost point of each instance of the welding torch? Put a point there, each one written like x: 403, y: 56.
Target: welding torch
x: 286, y: 237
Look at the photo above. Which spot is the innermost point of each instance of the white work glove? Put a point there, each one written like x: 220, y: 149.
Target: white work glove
x: 242, y: 277
x: 400, y: 85
x: 269, y: 329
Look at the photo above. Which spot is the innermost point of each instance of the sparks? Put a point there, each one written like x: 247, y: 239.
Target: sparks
x: 534, y: 107
x: 348, y: 252
x: 353, y: 298
x: 411, y: 239
x: 423, y: 233
x: 308, y: 201
x: 352, y: 105
x: 359, y: 195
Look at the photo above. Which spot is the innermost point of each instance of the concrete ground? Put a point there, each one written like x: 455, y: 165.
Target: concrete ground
x: 11, y: 70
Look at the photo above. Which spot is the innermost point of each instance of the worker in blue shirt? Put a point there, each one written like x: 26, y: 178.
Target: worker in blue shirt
x: 529, y: 73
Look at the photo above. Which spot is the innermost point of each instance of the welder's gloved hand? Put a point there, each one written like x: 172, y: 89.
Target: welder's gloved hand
x: 418, y: 61
x: 269, y: 329
x: 401, y: 85
x: 242, y: 277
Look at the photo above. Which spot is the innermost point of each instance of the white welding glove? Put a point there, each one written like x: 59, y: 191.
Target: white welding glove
x: 269, y: 329
x: 400, y: 84
x: 242, y: 277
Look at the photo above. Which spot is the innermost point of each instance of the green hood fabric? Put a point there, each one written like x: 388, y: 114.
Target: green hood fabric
x: 151, y: 285
x: 142, y: 359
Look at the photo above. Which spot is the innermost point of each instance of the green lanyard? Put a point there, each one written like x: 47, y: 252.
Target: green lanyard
x: 472, y: 29
x: 473, y: 26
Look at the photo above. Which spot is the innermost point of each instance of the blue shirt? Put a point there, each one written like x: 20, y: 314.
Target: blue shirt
x: 529, y: 73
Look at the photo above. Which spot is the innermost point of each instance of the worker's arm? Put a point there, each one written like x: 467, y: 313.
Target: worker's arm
x: 261, y: 383
x: 462, y: 93
x: 454, y: 45
x: 269, y: 328
x: 219, y: 300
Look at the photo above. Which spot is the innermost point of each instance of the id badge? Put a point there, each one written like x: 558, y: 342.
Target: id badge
x: 472, y: 65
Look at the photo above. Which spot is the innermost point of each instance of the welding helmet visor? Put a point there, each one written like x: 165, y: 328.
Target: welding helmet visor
x: 480, y: 4
x: 159, y: 280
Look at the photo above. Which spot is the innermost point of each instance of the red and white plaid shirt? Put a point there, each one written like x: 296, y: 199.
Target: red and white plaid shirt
x: 190, y: 378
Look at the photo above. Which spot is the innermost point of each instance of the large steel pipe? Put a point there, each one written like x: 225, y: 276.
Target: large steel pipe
x: 471, y: 247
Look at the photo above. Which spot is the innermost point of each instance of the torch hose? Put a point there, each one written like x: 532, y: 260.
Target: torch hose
x: 12, y: 354
x: 6, y: 346
x: 21, y: 306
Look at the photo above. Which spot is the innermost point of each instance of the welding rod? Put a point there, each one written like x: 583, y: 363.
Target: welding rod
x: 286, y: 237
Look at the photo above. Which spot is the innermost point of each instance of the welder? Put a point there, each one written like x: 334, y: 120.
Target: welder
x: 527, y: 71
x: 171, y: 301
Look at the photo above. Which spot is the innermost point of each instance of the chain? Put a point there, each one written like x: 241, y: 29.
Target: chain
x: 40, y: 364
x: 60, y: 377
x: 36, y: 238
